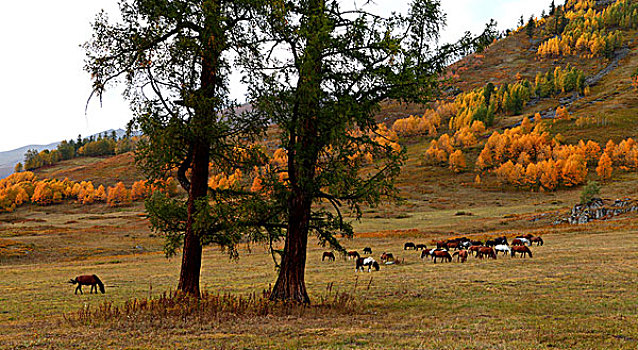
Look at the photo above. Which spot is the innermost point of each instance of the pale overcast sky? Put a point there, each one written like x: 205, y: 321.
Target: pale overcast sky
x: 43, y: 88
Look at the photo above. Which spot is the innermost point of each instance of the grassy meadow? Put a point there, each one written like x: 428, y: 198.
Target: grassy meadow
x: 577, y: 292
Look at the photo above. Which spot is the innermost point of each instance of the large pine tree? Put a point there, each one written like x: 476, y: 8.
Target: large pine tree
x: 321, y: 75
x: 173, y: 58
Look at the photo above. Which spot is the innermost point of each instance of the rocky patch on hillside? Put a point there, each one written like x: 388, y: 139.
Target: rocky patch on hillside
x: 598, y: 209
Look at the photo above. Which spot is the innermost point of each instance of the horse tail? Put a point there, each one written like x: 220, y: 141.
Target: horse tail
x: 99, y: 283
x: 541, y: 239
x: 529, y: 251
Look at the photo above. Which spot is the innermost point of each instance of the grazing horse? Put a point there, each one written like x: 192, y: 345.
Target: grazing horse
x: 490, y: 243
x: 476, y: 243
x: 522, y: 250
x: 367, y: 250
x: 501, y: 240
x: 453, y: 245
x: 386, y: 257
x: 409, y: 245
x: 369, y: 262
x: 475, y: 249
x: 521, y: 241
x: 527, y: 235
x: 538, y: 240
x: 87, y: 280
x: 430, y: 252
x: 505, y: 249
x: 353, y: 254
x: 328, y: 255
x: 443, y: 254
x: 486, y: 251
x: 461, y: 255
x: 420, y: 247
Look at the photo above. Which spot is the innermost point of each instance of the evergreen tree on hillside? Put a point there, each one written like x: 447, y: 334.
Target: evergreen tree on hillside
x: 531, y: 25
x: 552, y: 8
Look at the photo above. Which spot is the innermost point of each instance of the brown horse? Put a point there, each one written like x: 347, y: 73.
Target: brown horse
x: 453, y: 245
x: 527, y: 235
x: 475, y: 249
x: 486, y: 251
x: 443, y: 254
x: 387, y: 257
x: 517, y: 242
x: 87, y: 280
x: 328, y: 255
x: 538, y: 240
x: 522, y: 250
x: 461, y: 255
x: 367, y: 250
x: 441, y: 245
x: 353, y: 254
x: 421, y: 247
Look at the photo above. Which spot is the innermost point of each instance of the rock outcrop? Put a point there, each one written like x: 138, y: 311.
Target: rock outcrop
x: 598, y: 209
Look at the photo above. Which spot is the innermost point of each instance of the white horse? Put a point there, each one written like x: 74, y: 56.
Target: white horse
x: 369, y: 262
x: 502, y: 248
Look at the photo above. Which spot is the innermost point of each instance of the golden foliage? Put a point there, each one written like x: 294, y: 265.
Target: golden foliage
x: 604, y: 168
x: 118, y: 195
x: 457, y: 161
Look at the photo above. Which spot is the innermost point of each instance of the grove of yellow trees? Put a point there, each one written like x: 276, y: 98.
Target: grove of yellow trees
x: 22, y: 188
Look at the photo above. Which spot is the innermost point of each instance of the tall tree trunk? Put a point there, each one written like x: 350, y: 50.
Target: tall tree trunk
x: 204, y: 115
x: 303, y: 147
x: 291, y: 284
x: 192, y: 254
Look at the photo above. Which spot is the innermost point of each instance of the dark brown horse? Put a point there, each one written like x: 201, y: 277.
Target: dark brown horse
x: 420, y: 247
x: 409, y: 245
x: 461, y: 255
x: 537, y: 239
x: 353, y: 254
x: 522, y: 250
x: 87, y: 280
x: 486, y: 251
x: 443, y: 254
x: 328, y: 255
x: 367, y: 250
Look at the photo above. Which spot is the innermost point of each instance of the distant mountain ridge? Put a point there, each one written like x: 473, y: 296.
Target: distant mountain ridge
x: 9, y: 159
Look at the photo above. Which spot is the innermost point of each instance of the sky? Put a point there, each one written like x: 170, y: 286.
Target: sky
x: 44, y: 89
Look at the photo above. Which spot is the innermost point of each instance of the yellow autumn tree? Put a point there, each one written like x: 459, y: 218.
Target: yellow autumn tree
x: 604, y: 168
x: 118, y: 195
x: 457, y: 161
x: 43, y: 194
x: 139, y: 190
x: 100, y: 194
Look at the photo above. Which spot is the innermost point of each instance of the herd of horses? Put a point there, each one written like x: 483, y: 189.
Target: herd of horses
x: 461, y: 248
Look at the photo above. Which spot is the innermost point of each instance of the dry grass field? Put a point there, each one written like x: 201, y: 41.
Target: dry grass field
x: 579, y: 291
